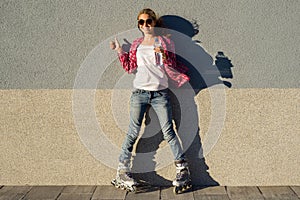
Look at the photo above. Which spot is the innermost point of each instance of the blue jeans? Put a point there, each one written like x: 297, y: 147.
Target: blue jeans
x: 160, y: 102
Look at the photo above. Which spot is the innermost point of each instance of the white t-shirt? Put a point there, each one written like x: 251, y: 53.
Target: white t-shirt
x: 149, y: 76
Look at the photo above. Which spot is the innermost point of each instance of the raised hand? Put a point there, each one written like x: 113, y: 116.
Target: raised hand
x: 115, y: 45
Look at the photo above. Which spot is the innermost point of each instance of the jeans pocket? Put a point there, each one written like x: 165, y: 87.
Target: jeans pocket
x: 164, y: 93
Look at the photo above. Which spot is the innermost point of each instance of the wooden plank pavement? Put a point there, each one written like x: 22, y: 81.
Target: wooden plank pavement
x: 147, y: 193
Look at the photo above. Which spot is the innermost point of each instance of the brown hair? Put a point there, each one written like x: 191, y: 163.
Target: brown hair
x: 154, y: 17
x: 149, y: 12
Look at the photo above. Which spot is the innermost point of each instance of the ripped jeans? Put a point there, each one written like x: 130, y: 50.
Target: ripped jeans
x: 160, y: 102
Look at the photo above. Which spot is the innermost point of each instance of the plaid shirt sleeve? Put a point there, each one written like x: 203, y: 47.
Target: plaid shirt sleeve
x: 128, y: 60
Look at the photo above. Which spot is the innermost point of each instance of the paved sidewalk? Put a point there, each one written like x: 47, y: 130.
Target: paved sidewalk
x: 146, y: 192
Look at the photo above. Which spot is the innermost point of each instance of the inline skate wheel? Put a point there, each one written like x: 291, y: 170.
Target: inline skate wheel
x: 177, y: 189
x: 181, y: 189
x: 133, y: 189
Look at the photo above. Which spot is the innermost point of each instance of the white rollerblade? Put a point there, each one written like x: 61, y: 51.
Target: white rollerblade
x: 182, y: 182
x: 124, y: 179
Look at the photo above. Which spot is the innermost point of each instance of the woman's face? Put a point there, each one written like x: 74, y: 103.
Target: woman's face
x: 146, y: 24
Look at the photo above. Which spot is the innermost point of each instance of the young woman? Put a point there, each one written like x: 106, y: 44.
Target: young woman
x: 150, y: 84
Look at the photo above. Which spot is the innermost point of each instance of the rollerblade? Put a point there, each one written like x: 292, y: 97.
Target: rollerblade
x: 182, y: 182
x: 124, y: 179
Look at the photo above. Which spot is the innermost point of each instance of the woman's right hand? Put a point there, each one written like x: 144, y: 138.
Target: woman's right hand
x: 115, y: 45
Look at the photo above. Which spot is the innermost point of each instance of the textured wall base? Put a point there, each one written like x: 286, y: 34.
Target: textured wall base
x: 258, y: 145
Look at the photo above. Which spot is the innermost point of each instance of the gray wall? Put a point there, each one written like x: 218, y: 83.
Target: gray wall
x: 43, y: 43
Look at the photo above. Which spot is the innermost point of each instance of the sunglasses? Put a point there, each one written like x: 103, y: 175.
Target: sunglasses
x: 142, y: 22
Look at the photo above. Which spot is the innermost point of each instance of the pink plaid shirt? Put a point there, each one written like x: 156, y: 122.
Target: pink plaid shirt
x: 175, y: 70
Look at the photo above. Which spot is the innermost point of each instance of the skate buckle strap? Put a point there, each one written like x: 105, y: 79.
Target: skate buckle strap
x: 180, y: 168
x: 128, y: 174
x: 181, y: 165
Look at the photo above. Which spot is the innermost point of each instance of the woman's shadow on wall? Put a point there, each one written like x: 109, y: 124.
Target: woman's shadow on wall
x: 203, y: 74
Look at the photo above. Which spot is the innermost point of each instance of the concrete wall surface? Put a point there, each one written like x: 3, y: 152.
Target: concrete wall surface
x: 64, y: 97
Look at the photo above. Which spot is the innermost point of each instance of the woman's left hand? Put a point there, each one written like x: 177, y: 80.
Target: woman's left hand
x: 160, y: 50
